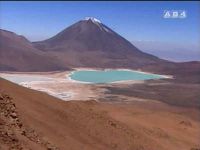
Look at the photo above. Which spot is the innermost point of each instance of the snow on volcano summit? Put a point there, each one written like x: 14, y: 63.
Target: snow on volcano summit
x: 93, y: 19
x: 98, y: 23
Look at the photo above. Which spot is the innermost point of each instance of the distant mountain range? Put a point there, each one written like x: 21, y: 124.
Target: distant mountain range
x: 177, y: 52
x: 87, y: 43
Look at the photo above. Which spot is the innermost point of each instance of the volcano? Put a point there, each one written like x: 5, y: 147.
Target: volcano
x: 90, y: 43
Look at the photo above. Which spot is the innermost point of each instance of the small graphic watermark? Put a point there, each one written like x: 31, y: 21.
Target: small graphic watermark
x: 174, y: 14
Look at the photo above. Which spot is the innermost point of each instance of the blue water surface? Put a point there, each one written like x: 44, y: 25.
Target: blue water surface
x: 110, y: 76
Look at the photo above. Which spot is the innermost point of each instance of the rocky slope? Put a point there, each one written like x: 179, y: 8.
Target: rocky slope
x: 35, y: 120
x: 13, y: 133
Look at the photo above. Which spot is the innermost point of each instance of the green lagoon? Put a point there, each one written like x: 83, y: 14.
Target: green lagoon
x: 110, y: 76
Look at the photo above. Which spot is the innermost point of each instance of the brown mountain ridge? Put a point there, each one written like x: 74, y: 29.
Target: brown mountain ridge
x: 18, y: 54
x: 87, y: 43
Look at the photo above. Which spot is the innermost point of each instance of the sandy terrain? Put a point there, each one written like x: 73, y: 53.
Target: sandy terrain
x: 49, y: 123
x: 118, y: 116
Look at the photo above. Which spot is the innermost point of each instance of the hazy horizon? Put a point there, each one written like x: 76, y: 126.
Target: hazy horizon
x: 141, y: 23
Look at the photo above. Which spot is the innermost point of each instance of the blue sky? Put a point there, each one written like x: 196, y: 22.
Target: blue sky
x: 136, y: 21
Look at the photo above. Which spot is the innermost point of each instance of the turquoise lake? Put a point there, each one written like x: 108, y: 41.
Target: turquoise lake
x: 110, y: 76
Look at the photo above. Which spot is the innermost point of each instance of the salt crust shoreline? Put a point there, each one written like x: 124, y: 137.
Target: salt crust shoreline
x: 66, y: 78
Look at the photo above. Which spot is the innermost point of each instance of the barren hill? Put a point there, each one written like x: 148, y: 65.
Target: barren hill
x: 18, y: 54
x: 34, y: 120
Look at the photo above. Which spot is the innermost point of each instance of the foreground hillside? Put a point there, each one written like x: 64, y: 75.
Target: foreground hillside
x: 33, y: 120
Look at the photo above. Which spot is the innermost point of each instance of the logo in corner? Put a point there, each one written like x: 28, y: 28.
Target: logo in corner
x: 174, y: 14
